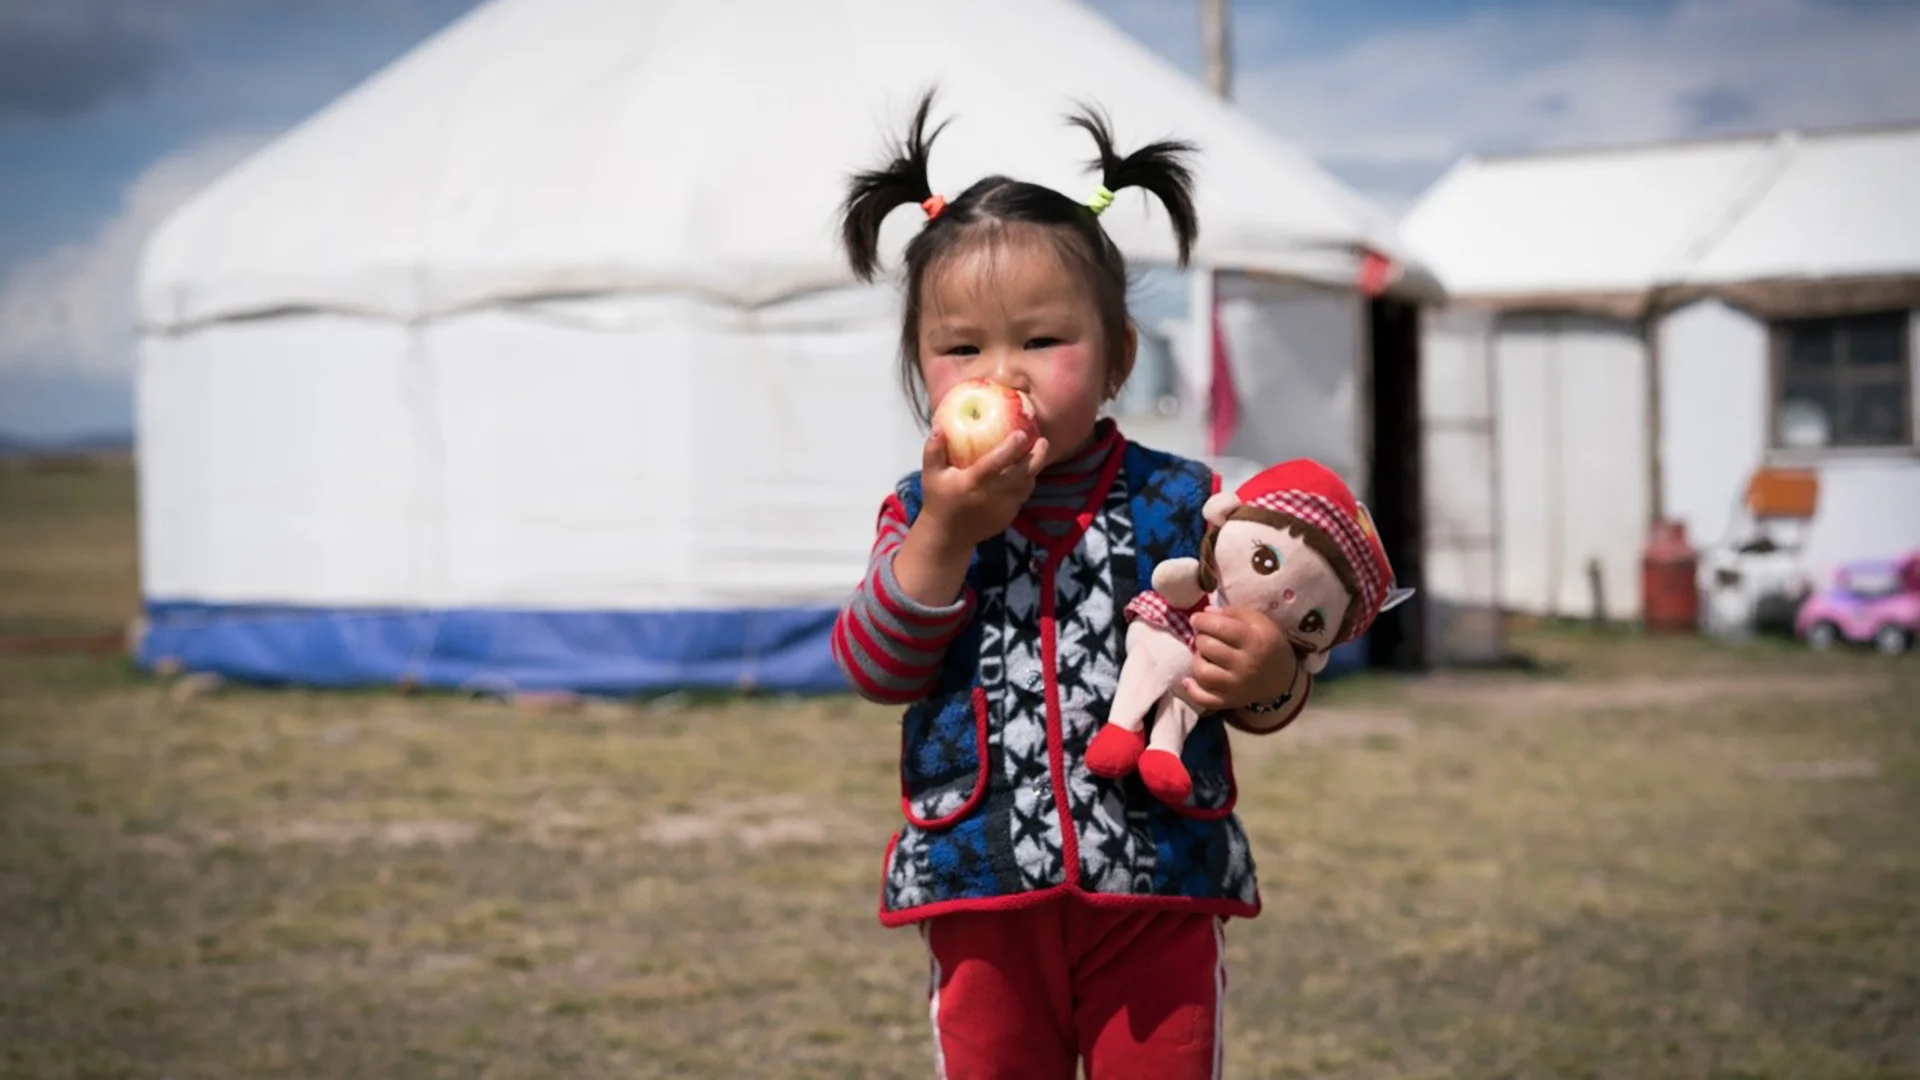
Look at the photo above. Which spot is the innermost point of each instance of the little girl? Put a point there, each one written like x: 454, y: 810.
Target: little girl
x: 1068, y: 917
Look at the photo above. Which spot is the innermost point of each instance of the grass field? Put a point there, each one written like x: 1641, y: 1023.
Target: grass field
x: 1644, y: 860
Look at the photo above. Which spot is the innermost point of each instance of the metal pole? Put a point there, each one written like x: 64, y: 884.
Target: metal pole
x: 1215, y: 43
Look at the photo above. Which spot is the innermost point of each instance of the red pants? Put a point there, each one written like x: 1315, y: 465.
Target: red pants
x: 1025, y: 993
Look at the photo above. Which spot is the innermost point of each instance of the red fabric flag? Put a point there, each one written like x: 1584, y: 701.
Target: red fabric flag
x: 1223, y: 402
x: 1376, y: 273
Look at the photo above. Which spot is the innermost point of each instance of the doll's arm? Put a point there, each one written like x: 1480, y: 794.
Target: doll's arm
x: 888, y: 645
x: 1178, y: 581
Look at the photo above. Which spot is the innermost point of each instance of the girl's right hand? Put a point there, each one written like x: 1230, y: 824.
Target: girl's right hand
x: 967, y: 506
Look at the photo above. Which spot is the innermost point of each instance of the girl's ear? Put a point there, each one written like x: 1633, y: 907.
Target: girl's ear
x: 1317, y: 662
x: 1123, y: 362
x: 1217, y: 508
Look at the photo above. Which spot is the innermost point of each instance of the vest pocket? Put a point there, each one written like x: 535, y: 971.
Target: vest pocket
x: 943, y: 758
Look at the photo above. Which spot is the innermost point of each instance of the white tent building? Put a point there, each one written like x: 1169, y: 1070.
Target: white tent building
x: 1647, y: 327
x: 533, y: 361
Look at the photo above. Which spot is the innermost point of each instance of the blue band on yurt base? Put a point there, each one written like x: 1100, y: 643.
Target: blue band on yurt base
x: 777, y: 650
x: 783, y: 650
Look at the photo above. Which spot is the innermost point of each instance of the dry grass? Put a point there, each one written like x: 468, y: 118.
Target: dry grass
x: 1651, y: 860
x: 68, y: 562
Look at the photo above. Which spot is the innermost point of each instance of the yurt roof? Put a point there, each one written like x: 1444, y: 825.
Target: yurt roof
x: 542, y: 148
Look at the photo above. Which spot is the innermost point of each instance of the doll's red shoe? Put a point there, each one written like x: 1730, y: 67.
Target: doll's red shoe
x: 1114, y: 751
x: 1166, y: 776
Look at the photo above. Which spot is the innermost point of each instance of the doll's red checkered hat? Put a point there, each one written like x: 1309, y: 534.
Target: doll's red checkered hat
x: 1314, y: 494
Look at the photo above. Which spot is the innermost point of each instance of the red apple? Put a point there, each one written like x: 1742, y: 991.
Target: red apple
x: 978, y: 415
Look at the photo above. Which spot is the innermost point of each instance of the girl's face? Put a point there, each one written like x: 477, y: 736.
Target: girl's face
x: 1008, y: 310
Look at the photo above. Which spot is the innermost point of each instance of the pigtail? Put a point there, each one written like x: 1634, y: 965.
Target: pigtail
x: 1156, y: 167
x: 874, y: 194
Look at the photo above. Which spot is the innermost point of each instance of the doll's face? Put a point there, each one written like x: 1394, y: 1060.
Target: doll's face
x: 1272, y: 570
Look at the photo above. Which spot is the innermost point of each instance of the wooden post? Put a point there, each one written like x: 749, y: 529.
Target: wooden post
x: 1656, y: 439
x: 1597, y: 585
x: 1215, y: 43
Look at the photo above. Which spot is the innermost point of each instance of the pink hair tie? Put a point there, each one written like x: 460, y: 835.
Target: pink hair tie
x: 933, y: 205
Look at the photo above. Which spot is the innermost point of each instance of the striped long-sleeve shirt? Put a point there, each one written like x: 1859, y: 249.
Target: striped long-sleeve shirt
x: 889, y: 644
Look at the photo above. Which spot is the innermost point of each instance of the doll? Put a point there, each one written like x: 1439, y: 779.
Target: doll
x: 1292, y: 542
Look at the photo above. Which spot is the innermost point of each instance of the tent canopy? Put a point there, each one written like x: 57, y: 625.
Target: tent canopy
x: 543, y: 148
x: 1708, y: 216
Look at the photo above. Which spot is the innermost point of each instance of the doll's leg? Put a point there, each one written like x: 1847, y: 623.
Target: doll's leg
x: 1160, y: 765
x: 1155, y: 662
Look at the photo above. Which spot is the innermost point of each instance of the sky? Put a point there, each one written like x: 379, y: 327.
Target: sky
x: 113, y: 112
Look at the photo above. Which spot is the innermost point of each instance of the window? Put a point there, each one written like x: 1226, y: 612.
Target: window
x: 1159, y: 300
x: 1150, y: 389
x: 1843, y: 382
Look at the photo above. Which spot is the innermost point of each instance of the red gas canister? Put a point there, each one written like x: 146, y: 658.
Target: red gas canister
x: 1669, y: 589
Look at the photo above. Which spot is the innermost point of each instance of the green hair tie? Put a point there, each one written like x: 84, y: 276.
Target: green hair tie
x: 1102, y: 198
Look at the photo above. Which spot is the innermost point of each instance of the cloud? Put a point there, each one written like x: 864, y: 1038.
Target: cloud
x: 1390, y: 111
x: 73, y: 306
x: 63, y: 58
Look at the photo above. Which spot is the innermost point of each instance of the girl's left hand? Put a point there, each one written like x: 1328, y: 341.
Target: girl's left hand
x: 1240, y: 658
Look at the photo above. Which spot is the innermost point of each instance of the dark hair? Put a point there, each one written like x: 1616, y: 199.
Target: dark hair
x: 996, y: 200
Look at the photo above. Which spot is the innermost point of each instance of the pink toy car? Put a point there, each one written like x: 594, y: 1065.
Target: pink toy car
x: 1876, y: 602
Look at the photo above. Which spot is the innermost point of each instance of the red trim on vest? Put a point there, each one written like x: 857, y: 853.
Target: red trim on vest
x: 1139, y: 902
x: 1056, y: 738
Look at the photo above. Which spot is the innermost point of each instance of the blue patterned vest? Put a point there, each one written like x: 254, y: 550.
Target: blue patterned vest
x: 1000, y: 808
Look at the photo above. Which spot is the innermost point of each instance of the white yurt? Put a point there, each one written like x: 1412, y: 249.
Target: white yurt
x: 1646, y: 328
x: 533, y: 363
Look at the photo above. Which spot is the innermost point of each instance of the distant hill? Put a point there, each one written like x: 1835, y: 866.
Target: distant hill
x: 13, y: 446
